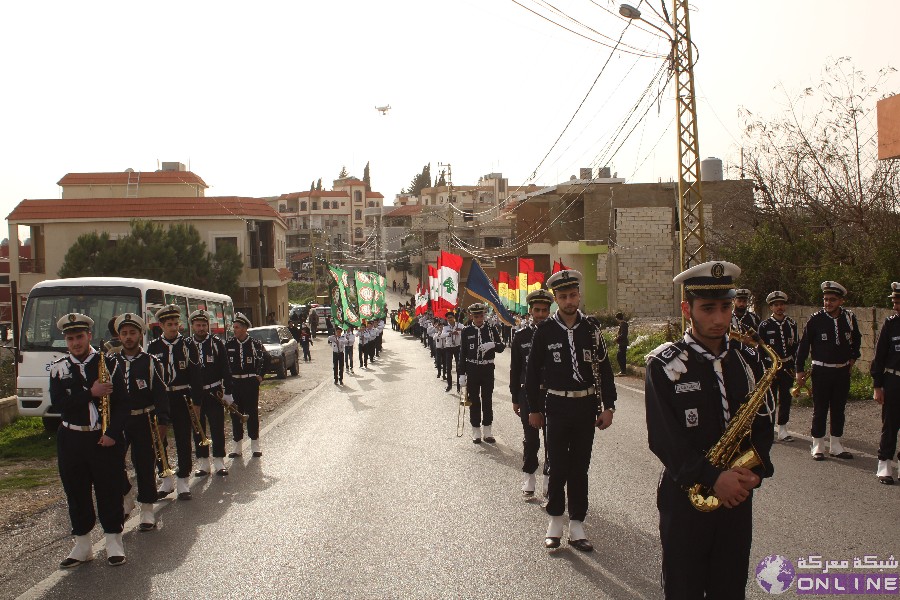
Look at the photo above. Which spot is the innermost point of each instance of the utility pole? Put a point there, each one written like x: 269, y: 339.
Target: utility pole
x: 449, y: 202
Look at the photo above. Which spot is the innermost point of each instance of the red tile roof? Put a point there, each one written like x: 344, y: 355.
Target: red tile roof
x: 140, y: 208
x: 374, y: 195
x: 314, y: 194
x: 285, y: 274
x: 121, y: 178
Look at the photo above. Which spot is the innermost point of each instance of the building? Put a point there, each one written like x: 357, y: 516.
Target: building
x: 54, y: 225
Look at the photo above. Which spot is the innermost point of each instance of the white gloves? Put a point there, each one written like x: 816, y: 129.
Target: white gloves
x: 486, y: 346
x: 463, y: 379
x: 229, y: 399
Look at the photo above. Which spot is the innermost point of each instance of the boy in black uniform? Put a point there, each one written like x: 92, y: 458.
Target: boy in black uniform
x: 693, y: 388
x: 832, y: 336
x: 539, y: 302
x: 475, y: 367
x: 780, y: 333
x: 145, y: 390
x: 566, y: 351
x: 247, y: 365
x: 622, y: 343
x: 743, y: 319
x: 175, y: 353
x: 885, y: 371
x: 209, y: 377
x: 88, y: 457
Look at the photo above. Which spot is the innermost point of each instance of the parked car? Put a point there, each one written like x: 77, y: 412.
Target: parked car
x: 284, y: 352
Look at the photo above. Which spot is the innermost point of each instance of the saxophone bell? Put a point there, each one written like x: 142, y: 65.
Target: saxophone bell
x: 234, y: 410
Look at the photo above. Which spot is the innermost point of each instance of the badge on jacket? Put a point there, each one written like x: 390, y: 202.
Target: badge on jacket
x: 691, y: 418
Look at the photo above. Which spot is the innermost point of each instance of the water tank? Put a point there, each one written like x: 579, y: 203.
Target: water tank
x: 711, y: 169
x: 605, y: 173
x: 585, y: 173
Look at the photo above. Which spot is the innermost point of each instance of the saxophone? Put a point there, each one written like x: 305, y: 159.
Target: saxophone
x: 733, y: 448
x: 103, y: 377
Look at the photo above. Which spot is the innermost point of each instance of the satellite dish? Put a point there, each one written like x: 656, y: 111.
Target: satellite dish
x: 384, y: 109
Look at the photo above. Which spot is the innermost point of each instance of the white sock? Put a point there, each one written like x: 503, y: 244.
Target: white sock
x: 183, y: 485
x: 555, y: 528
x: 114, y: 545
x: 254, y: 445
x: 238, y: 447
x: 487, y: 431
x: 884, y: 469
x: 528, y: 481
x: 82, y: 550
x: 147, y: 515
x: 203, y: 464
x: 476, y: 433
x: 218, y: 463
x: 818, y: 446
x: 168, y: 484
x: 835, y: 445
x: 576, y: 530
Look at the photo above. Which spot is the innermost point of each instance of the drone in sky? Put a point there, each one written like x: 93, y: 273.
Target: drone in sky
x: 384, y: 109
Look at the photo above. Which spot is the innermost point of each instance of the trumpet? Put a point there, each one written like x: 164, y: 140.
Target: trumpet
x: 161, y: 455
x: 797, y: 388
x: 195, y: 421
x: 234, y: 410
x: 463, y: 397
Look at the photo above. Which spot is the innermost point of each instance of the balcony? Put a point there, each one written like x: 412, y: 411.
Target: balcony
x: 31, y: 265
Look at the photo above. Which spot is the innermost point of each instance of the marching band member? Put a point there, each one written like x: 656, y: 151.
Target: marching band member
x: 349, y: 341
x: 451, y: 335
x: 478, y: 344
x: 174, y: 352
x: 885, y: 371
x: 247, y: 366
x: 337, y: 342
x: 209, y: 376
x: 89, y: 457
x: 694, y: 387
x: 780, y: 333
x: 832, y: 337
x: 145, y: 390
x: 743, y: 319
x: 539, y: 302
x: 364, y: 336
x: 562, y: 390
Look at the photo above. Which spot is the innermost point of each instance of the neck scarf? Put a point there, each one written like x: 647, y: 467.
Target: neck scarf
x: 576, y: 375
x: 170, y: 348
x: 717, y: 367
x: 92, y: 408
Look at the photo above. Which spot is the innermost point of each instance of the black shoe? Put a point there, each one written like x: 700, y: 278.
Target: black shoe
x: 257, y: 454
x: 551, y: 542
x: 476, y: 441
x: 200, y: 473
x: 582, y: 545
x: 818, y: 456
x: 341, y: 381
x: 222, y: 472
x: 185, y: 496
x: 161, y: 495
x: 70, y: 563
x: 335, y: 382
x: 144, y: 527
x: 449, y: 387
x: 844, y: 455
x: 528, y: 494
x: 234, y: 455
x: 115, y: 561
x: 884, y: 479
x: 490, y: 439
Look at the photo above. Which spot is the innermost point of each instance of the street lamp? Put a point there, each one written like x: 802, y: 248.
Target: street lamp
x: 630, y: 12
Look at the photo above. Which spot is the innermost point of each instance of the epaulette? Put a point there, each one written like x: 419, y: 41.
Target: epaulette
x: 893, y: 316
x: 673, y: 356
x: 544, y: 323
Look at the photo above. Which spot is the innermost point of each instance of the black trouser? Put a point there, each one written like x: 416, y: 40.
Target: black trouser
x: 890, y: 417
x: 370, y: 350
x: 337, y: 362
x: 621, y: 357
x: 531, y: 443
x: 246, y: 397
x: 439, y: 361
x: 704, y: 554
x: 431, y: 345
x: 781, y: 389
x: 363, y: 356
x: 449, y: 355
x: 211, y: 410
x: 570, y: 435
x: 379, y: 341
x: 480, y: 387
x: 348, y: 357
x: 182, y: 427
x: 143, y: 457
x: 83, y: 465
x: 305, y: 346
x: 830, y: 388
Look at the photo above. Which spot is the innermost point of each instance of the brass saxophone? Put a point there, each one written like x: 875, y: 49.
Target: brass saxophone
x: 733, y: 448
x: 103, y: 377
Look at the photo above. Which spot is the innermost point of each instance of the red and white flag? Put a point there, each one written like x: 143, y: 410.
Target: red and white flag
x: 449, y: 266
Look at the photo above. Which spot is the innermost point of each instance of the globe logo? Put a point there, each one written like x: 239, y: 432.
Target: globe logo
x: 775, y: 574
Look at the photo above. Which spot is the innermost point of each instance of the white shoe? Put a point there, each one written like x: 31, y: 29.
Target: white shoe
x: 528, y: 482
x: 555, y: 527
x: 818, y: 448
x: 219, y: 464
x: 148, y: 517
x: 81, y: 552
x: 237, y: 449
x: 183, y: 485
x: 576, y: 530
x: 884, y: 469
x: 487, y: 435
x: 255, y: 448
x: 115, y: 549
x: 203, y: 466
x: 168, y: 485
x: 837, y: 450
x: 476, y: 434
x: 783, y: 434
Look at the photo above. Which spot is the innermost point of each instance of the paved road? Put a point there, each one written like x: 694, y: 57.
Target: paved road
x: 365, y: 491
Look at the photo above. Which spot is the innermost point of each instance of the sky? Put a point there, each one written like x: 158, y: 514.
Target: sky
x: 262, y: 98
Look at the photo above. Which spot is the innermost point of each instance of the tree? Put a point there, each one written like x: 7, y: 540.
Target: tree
x: 420, y: 181
x: 825, y: 207
x: 319, y: 185
x: 175, y: 255
x: 366, y: 178
x: 343, y: 173
x: 312, y: 185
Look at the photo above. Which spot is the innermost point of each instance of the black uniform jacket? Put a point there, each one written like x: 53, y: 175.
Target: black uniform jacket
x: 472, y: 337
x: 685, y: 416
x: 550, y: 361
x: 782, y: 337
x: 819, y: 338
x: 518, y: 361
x: 887, y: 350
x: 144, y: 382
x: 247, y: 357
x: 176, y: 358
x: 749, y: 321
x: 70, y: 393
x: 211, y: 366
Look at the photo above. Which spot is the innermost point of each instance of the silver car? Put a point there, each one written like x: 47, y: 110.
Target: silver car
x: 284, y: 353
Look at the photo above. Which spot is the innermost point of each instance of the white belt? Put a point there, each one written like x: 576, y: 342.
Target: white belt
x: 819, y: 363
x: 892, y: 372
x: 177, y: 388
x: 213, y: 385
x: 247, y: 376
x: 142, y: 411
x: 480, y: 362
x: 573, y: 393
x: 80, y: 427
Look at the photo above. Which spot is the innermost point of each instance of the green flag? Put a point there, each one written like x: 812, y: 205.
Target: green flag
x: 366, y: 294
x: 343, y: 313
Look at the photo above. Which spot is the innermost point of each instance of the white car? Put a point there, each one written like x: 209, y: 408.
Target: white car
x: 284, y: 352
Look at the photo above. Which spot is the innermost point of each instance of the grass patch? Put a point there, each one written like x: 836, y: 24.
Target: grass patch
x: 7, y: 377
x: 27, y: 479
x: 25, y: 438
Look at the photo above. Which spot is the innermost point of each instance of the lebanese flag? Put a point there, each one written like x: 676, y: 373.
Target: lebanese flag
x: 449, y: 266
x: 432, y: 284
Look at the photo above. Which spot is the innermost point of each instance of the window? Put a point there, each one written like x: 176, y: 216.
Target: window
x: 358, y: 232
x: 303, y: 206
x: 325, y: 204
x: 493, y: 242
x: 343, y: 204
x: 282, y: 208
x: 467, y: 216
x: 357, y: 214
x: 315, y: 206
x: 357, y: 196
x: 221, y: 242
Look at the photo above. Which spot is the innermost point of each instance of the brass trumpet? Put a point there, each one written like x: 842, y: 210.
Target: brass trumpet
x: 807, y: 385
x: 161, y: 455
x: 234, y: 410
x: 195, y: 421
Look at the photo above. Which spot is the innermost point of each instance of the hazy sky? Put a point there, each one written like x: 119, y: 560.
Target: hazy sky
x: 261, y: 98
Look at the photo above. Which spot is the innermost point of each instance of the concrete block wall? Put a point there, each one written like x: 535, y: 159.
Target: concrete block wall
x: 870, y: 321
x: 644, y: 254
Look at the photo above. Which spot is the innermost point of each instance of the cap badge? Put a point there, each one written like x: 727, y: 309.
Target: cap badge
x: 718, y: 270
x: 71, y: 318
